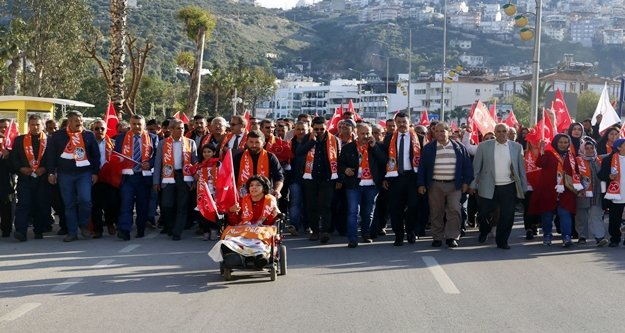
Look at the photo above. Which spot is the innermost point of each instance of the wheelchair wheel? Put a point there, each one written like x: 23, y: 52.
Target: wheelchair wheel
x: 227, y: 274
x: 282, y: 260
x: 272, y: 272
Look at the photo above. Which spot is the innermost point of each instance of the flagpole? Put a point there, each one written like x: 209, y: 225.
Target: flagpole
x: 442, y: 114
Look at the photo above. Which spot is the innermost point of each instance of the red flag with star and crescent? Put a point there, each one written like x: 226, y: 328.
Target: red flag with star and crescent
x: 563, y: 117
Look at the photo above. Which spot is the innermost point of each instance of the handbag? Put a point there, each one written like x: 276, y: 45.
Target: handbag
x: 568, y: 183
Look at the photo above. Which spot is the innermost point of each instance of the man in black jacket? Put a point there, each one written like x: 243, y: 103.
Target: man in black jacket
x: 32, y: 195
x: 73, y: 160
x: 6, y: 183
x: 361, y: 168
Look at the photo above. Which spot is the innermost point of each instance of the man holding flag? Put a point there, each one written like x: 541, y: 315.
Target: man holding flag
x: 138, y: 146
x: 105, y: 194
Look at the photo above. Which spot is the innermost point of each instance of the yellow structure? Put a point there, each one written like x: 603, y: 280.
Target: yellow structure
x: 19, y: 108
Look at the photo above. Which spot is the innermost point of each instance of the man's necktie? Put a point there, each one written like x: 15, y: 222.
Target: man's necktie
x: 136, y: 153
x: 235, y: 146
x: 400, y: 156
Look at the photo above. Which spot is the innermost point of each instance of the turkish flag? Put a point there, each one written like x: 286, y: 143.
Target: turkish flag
x: 350, y: 106
x: 205, y: 203
x: 425, y: 119
x: 184, y: 118
x: 511, y: 121
x: 482, y: 119
x: 474, y: 131
x: 563, y: 117
x: 111, y: 121
x: 10, y: 135
x: 493, y: 111
x: 334, y: 121
x: 111, y: 171
x: 247, y: 120
x: 543, y: 130
x: 227, y: 194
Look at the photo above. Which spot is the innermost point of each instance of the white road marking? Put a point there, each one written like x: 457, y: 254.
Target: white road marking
x: 66, y: 284
x: 20, y: 311
x: 129, y: 248
x: 103, y: 263
x: 441, y: 277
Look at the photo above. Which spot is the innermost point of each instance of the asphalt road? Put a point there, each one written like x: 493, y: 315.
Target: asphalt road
x: 157, y: 285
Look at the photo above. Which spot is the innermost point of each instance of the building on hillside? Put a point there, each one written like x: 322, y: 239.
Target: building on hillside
x: 380, y: 13
x: 583, y: 32
x: 461, y: 44
x: 469, y: 20
x: 471, y: 60
x: 613, y: 37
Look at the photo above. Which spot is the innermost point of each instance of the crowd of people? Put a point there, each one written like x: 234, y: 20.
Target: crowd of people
x: 350, y: 180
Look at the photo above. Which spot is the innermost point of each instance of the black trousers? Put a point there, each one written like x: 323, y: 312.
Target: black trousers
x: 339, y: 211
x: 32, y: 205
x: 402, y: 195
x: 6, y: 214
x: 105, y: 201
x: 471, y: 210
x: 504, y: 198
x: 56, y: 201
x: 381, y: 212
x: 530, y: 222
x: 318, y: 204
x: 174, y: 204
x: 614, y: 224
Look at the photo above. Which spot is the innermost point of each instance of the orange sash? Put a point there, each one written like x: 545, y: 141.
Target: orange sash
x: 108, y: 150
x: 560, y: 173
x: 364, y: 172
x: 146, y: 150
x: 332, y: 149
x: 33, y: 161
x: 247, y: 211
x: 586, y: 175
x: 614, y: 190
x: 246, y: 169
x: 75, y: 149
x: 392, y: 165
x: 168, y: 160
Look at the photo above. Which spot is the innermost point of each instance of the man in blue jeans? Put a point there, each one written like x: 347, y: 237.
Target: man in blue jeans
x: 361, y: 168
x: 73, y: 160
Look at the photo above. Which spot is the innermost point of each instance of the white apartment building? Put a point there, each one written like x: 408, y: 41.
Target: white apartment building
x: 613, y: 37
x: 461, y: 44
x: 567, y: 81
x: 554, y: 32
x: 469, y: 20
x: 471, y: 61
x: 583, y: 32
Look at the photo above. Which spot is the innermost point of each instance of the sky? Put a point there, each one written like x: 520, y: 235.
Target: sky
x: 284, y: 4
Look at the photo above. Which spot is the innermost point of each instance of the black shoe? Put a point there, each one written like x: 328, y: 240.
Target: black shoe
x: 123, y: 235
x: 6, y: 234
x: 140, y: 234
x: 503, y: 246
x: 613, y: 244
x: 97, y: 234
x: 352, y: 245
x: 175, y: 237
x: 151, y: 224
x: 451, y: 243
x: 165, y: 231
x: 324, y: 238
x: 463, y: 233
x: 482, y: 237
x: 38, y: 236
x: 70, y: 238
x: 62, y: 232
x: 437, y: 243
x: 529, y: 235
x: 411, y: 238
x: 19, y: 236
x: 398, y: 242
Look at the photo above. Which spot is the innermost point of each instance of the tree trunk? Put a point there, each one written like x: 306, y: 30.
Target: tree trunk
x: 14, y: 68
x: 117, y: 67
x: 194, y: 89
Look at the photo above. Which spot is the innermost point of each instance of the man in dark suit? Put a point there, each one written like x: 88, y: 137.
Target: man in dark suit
x: 73, y: 160
x: 173, y: 176
x: 137, y: 145
x: 32, y: 196
x: 361, y: 169
x: 498, y: 165
x: 403, y: 149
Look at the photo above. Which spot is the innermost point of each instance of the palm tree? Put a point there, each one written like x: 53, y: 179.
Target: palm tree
x: 198, y: 23
x: 117, y: 63
x: 543, y: 88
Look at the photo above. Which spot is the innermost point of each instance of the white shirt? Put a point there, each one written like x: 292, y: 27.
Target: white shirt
x: 178, y: 154
x: 502, y: 164
x: 406, y: 161
x: 234, y: 137
x: 102, y: 147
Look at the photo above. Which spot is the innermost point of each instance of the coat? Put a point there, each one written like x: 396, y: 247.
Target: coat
x: 545, y: 198
x: 349, y: 158
x: 484, y: 167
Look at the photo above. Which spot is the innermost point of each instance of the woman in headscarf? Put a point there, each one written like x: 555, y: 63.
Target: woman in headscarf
x: 613, y: 173
x: 551, y: 195
x: 576, y: 133
x: 589, y: 213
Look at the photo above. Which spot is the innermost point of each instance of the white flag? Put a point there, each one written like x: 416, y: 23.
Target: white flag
x: 605, y: 108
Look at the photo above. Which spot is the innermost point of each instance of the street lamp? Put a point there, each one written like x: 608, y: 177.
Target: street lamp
x: 527, y: 33
x: 442, y: 113
x: 359, y: 72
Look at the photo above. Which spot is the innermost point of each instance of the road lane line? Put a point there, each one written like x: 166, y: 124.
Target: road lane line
x: 103, y: 263
x: 20, y: 311
x: 439, y: 274
x: 66, y: 284
x: 129, y: 248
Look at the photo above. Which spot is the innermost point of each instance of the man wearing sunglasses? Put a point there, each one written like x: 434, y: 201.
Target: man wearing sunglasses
x: 105, y: 196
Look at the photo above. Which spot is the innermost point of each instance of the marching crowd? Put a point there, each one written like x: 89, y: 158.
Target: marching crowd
x: 349, y: 180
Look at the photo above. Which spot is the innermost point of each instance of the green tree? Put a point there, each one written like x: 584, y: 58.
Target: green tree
x: 198, y: 23
x: 586, y: 104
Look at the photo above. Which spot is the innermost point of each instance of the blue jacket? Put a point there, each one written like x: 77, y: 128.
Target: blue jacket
x: 464, y: 166
x: 56, y: 146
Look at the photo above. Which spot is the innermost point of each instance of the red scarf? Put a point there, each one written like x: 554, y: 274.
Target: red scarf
x: 332, y: 150
x: 614, y: 189
x: 246, y: 169
x: 146, y: 150
x: 247, y: 209
x: 364, y: 171
x: 169, y: 160
x: 33, y: 161
x: 585, y: 172
x: 392, y: 165
x: 75, y: 149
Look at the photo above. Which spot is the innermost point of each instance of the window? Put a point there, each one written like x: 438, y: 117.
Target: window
x: 477, y: 92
